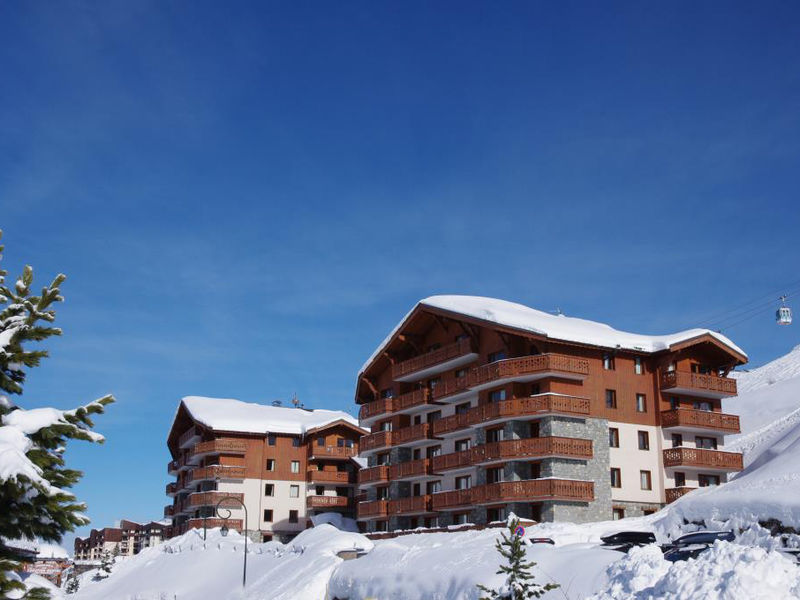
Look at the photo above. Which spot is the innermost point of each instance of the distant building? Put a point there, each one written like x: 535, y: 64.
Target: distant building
x: 126, y: 540
x: 46, y: 560
x: 284, y: 464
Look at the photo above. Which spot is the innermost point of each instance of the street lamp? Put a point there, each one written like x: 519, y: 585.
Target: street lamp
x: 224, y: 529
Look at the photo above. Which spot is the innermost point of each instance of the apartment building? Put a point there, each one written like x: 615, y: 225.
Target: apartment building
x: 285, y: 465
x: 126, y: 540
x: 478, y: 407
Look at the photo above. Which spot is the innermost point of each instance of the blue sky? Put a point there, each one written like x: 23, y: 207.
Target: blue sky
x: 247, y: 198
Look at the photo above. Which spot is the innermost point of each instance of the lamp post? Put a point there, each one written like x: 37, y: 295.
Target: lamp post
x: 224, y: 529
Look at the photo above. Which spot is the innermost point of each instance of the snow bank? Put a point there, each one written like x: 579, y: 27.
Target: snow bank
x: 726, y: 571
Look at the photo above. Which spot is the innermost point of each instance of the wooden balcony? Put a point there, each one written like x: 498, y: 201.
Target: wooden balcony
x: 534, y: 490
x: 189, y: 437
x: 451, y: 500
x: 529, y: 368
x: 316, y: 452
x: 172, y: 489
x: 172, y: 467
x: 532, y: 448
x: 673, y: 494
x: 169, y: 510
x: 695, y: 384
x: 376, y: 441
x: 702, y: 458
x: 415, y: 505
x: 452, y: 461
x: 450, y: 387
x: 215, y: 472
x: 412, y: 434
x: 219, y: 446
x: 212, y: 498
x: 376, y: 408
x: 408, y: 402
x: 528, y: 407
x: 373, y: 475
x: 410, y: 470
x: 373, y: 510
x: 444, y: 357
x: 700, y: 419
x: 451, y: 424
x: 330, y: 477
x: 235, y: 524
x: 323, y: 502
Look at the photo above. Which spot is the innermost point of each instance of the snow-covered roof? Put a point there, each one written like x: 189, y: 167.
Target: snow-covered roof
x: 227, y: 414
x: 557, y: 327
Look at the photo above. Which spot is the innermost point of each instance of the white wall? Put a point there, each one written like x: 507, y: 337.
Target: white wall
x: 630, y: 460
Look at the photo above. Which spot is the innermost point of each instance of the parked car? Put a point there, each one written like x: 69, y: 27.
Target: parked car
x: 623, y: 541
x: 685, y: 552
x: 541, y: 540
x: 699, y: 537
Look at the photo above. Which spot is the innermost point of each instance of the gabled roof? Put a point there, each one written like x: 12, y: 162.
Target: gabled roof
x: 556, y: 327
x: 338, y: 423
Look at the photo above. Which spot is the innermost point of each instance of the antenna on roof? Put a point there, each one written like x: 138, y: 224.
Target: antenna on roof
x: 296, y: 402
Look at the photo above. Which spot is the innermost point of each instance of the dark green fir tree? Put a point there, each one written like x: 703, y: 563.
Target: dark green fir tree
x: 72, y: 584
x: 34, y: 478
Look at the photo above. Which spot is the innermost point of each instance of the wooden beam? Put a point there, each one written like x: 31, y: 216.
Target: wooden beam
x: 389, y: 357
x: 404, y: 337
x: 442, y: 322
x: 469, y: 330
x: 370, y: 385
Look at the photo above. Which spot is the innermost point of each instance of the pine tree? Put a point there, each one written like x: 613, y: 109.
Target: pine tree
x: 519, y: 584
x: 72, y: 584
x: 33, y: 475
x: 106, y: 564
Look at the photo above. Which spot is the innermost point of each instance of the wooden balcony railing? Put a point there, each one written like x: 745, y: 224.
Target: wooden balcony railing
x: 376, y: 441
x: 534, y: 489
x: 190, y: 433
x: 528, y: 365
x: 413, y: 433
x: 684, y: 417
x: 332, y: 452
x: 376, y: 408
x: 721, y: 386
x: 451, y: 499
x: 700, y: 457
x: 453, y: 460
x: 215, y: 472
x: 220, y: 446
x: 673, y: 494
x: 172, y: 488
x: 235, y: 524
x: 407, y: 470
x: 448, y: 387
x: 532, y: 448
x: 212, y: 498
x: 377, y: 474
x: 333, y: 477
x: 429, y: 359
x: 412, y: 399
x: 451, y: 423
x: 328, y: 502
x: 172, y: 467
x: 414, y: 504
x: 169, y: 510
x: 373, y: 510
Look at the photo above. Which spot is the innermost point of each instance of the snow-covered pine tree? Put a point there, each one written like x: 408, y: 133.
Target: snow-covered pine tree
x: 72, y: 584
x: 106, y: 564
x: 519, y: 583
x: 33, y: 475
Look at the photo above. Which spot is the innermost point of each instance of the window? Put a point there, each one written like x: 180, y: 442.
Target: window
x: 674, y: 402
x: 645, y: 480
x: 618, y: 513
x: 270, y: 464
x: 381, y: 525
x: 536, y: 389
x: 431, y: 522
x: 613, y: 437
x: 433, y: 487
x: 706, y: 406
x: 708, y: 443
x: 496, y: 514
x: 321, y: 441
x: 460, y: 373
x: 611, y: 399
x: 385, y: 426
x: 616, y: 478
x: 294, y: 491
x: 462, y: 445
x: 295, y: 441
x: 494, y: 435
x: 295, y: 466
x: 382, y: 493
x: 432, y: 383
x: 292, y: 516
x: 387, y: 393
x: 494, y: 475
x: 383, y: 459
x: 638, y: 368
x: 271, y: 439
x: 608, y: 362
x: 268, y: 515
x: 644, y: 440
x: 462, y: 408
x: 495, y: 356
x: 707, y: 480
x: 340, y: 442
x: 497, y: 395
x: 432, y: 451
x: 641, y: 403
x: 677, y: 440
x: 680, y: 479
x: 319, y: 490
x: 464, y: 482
x: 434, y: 416
x: 461, y: 518
x: 269, y: 489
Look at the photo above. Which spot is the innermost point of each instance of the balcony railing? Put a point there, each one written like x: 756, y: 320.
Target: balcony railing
x: 701, y: 384
x: 212, y: 498
x: 452, y: 423
x: 673, y: 494
x: 683, y: 417
x: 413, y: 433
x: 172, y: 467
x: 532, y: 448
x: 412, y: 399
x: 451, y: 499
x: 216, y: 472
x: 528, y: 365
x: 377, y: 474
x: 211, y: 523
x: 376, y: 441
x: 332, y: 452
x: 373, y: 510
x: 700, y: 457
x: 328, y: 501
x: 448, y: 387
x: 411, y: 469
x: 169, y: 510
x: 412, y: 505
x: 430, y: 359
x: 333, y: 477
x: 189, y: 435
x: 451, y: 461
x: 376, y: 408
x: 219, y: 446
x: 534, y: 489
x: 172, y: 488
